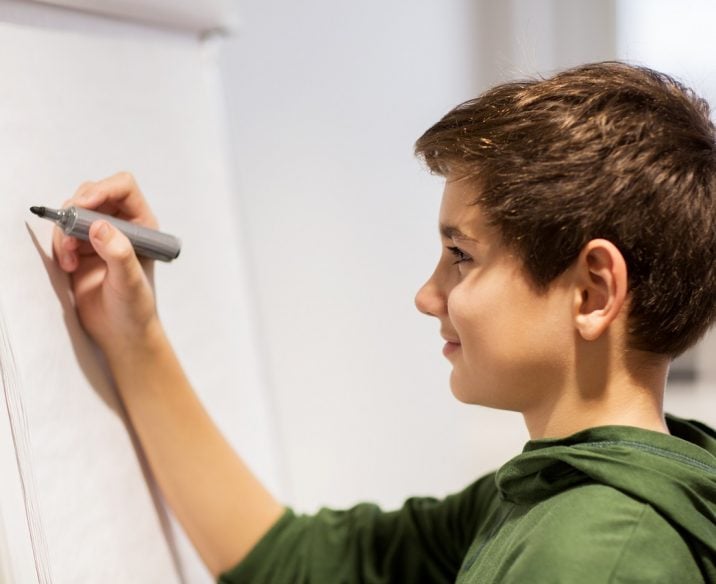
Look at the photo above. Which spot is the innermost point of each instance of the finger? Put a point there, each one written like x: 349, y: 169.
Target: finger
x: 73, y: 250
x: 70, y: 250
x: 83, y: 190
x: 88, y: 276
x: 84, y: 249
x: 124, y: 272
x: 70, y: 243
x: 117, y: 195
x: 62, y: 249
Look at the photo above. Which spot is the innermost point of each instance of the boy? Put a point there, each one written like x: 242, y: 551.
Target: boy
x: 578, y: 228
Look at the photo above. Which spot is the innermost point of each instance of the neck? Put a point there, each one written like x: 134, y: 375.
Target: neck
x: 628, y: 396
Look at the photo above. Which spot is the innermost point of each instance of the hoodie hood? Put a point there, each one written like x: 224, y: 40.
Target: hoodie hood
x: 675, y: 474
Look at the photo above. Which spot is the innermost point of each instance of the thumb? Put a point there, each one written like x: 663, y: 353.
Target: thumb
x: 124, y: 272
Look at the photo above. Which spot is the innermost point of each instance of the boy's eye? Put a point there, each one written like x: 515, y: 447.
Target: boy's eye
x: 459, y: 255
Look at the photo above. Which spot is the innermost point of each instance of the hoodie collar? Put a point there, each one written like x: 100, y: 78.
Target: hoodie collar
x: 675, y: 474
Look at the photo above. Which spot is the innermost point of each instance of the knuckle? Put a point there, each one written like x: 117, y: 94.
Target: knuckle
x: 85, y: 186
x: 126, y: 177
x: 84, y: 191
x: 134, y: 279
x: 124, y: 254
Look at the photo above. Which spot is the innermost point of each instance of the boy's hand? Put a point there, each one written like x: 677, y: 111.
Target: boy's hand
x: 112, y: 288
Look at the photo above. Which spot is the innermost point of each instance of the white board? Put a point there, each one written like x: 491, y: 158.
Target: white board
x: 77, y: 503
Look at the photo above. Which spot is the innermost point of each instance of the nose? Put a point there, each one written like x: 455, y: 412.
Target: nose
x: 430, y: 299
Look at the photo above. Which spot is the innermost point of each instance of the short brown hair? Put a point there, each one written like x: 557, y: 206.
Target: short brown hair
x: 605, y: 150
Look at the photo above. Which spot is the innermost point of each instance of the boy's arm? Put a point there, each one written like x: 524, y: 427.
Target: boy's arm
x: 220, y: 503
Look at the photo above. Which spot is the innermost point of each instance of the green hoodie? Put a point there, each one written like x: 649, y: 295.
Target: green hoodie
x: 608, y: 504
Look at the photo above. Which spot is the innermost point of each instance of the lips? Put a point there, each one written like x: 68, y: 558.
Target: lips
x: 450, y: 339
x: 452, y: 344
x: 450, y: 348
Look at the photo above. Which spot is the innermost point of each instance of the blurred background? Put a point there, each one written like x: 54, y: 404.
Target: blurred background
x: 324, y: 102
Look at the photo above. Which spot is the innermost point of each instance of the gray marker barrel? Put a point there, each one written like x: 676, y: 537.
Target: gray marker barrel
x: 150, y: 243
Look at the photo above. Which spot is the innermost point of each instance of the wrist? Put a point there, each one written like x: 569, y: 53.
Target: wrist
x: 144, y: 345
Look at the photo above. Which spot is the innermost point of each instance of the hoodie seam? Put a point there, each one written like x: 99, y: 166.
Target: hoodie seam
x: 628, y: 540
x: 468, y: 562
x: 652, y: 449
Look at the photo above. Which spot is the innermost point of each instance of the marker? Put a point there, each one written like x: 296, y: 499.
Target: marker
x: 150, y: 243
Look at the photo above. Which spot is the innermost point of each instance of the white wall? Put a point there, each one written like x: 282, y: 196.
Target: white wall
x: 519, y: 38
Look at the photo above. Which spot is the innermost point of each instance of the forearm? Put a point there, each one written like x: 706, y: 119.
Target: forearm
x: 222, y: 506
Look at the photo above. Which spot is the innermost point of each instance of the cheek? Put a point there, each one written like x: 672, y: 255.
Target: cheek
x: 476, y: 301
x: 474, y: 317
x: 502, y: 322
x: 461, y: 309
x: 515, y: 343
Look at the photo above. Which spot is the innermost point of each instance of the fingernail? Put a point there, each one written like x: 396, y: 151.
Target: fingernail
x: 102, y: 232
x: 68, y: 259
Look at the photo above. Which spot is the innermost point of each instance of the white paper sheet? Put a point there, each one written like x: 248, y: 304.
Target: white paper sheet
x: 197, y: 16
x: 79, y: 106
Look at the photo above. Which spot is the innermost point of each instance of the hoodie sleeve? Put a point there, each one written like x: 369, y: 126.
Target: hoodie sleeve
x: 423, y: 542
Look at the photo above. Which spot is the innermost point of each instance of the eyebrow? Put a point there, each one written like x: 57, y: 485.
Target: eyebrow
x: 453, y: 232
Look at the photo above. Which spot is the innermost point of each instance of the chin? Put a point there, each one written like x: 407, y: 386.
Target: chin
x: 465, y: 392
x: 460, y: 396
x: 489, y: 395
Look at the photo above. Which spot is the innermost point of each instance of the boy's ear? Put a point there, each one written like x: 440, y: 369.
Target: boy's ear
x: 600, y: 288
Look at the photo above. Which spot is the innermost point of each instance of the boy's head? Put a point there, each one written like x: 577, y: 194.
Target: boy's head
x: 603, y: 151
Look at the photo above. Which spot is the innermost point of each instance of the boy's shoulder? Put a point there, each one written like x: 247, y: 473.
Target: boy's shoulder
x: 592, y: 514
x: 601, y: 534
x: 590, y: 533
x: 608, y: 500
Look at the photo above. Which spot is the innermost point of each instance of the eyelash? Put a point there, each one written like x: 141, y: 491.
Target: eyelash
x: 459, y: 255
